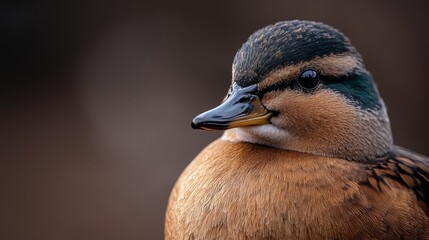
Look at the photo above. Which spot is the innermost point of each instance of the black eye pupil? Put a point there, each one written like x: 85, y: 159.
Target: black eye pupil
x: 309, y: 79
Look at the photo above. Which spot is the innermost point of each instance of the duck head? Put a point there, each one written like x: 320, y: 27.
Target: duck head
x: 302, y: 86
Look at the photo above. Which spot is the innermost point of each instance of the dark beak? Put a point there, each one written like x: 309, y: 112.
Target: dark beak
x: 242, y: 108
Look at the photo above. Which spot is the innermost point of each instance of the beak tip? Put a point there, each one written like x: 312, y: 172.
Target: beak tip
x: 195, y: 124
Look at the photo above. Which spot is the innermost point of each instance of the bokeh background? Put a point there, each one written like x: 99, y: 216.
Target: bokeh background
x: 96, y: 99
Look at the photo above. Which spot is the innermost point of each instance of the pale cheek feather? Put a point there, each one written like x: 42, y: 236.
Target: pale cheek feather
x: 268, y: 134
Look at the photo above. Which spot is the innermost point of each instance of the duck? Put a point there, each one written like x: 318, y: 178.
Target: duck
x: 306, y: 153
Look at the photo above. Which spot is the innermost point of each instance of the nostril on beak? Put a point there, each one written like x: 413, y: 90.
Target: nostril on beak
x: 245, y: 99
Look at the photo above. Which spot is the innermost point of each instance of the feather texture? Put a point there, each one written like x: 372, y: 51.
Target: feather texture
x: 236, y: 190
x: 405, y: 168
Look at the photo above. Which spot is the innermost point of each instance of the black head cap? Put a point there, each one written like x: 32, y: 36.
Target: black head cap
x: 285, y: 43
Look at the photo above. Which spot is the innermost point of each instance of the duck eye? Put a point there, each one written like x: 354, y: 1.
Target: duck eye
x: 309, y: 79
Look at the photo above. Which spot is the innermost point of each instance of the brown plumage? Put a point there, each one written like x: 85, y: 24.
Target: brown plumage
x: 261, y: 192
x: 307, y: 152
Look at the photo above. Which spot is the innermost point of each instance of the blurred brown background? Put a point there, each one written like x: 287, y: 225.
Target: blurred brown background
x: 96, y: 99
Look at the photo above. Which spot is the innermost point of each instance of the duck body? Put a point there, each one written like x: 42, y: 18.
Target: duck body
x: 261, y: 192
x: 307, y: 151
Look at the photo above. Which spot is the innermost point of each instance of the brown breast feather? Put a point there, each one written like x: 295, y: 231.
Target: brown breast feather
x: 247, y: 191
